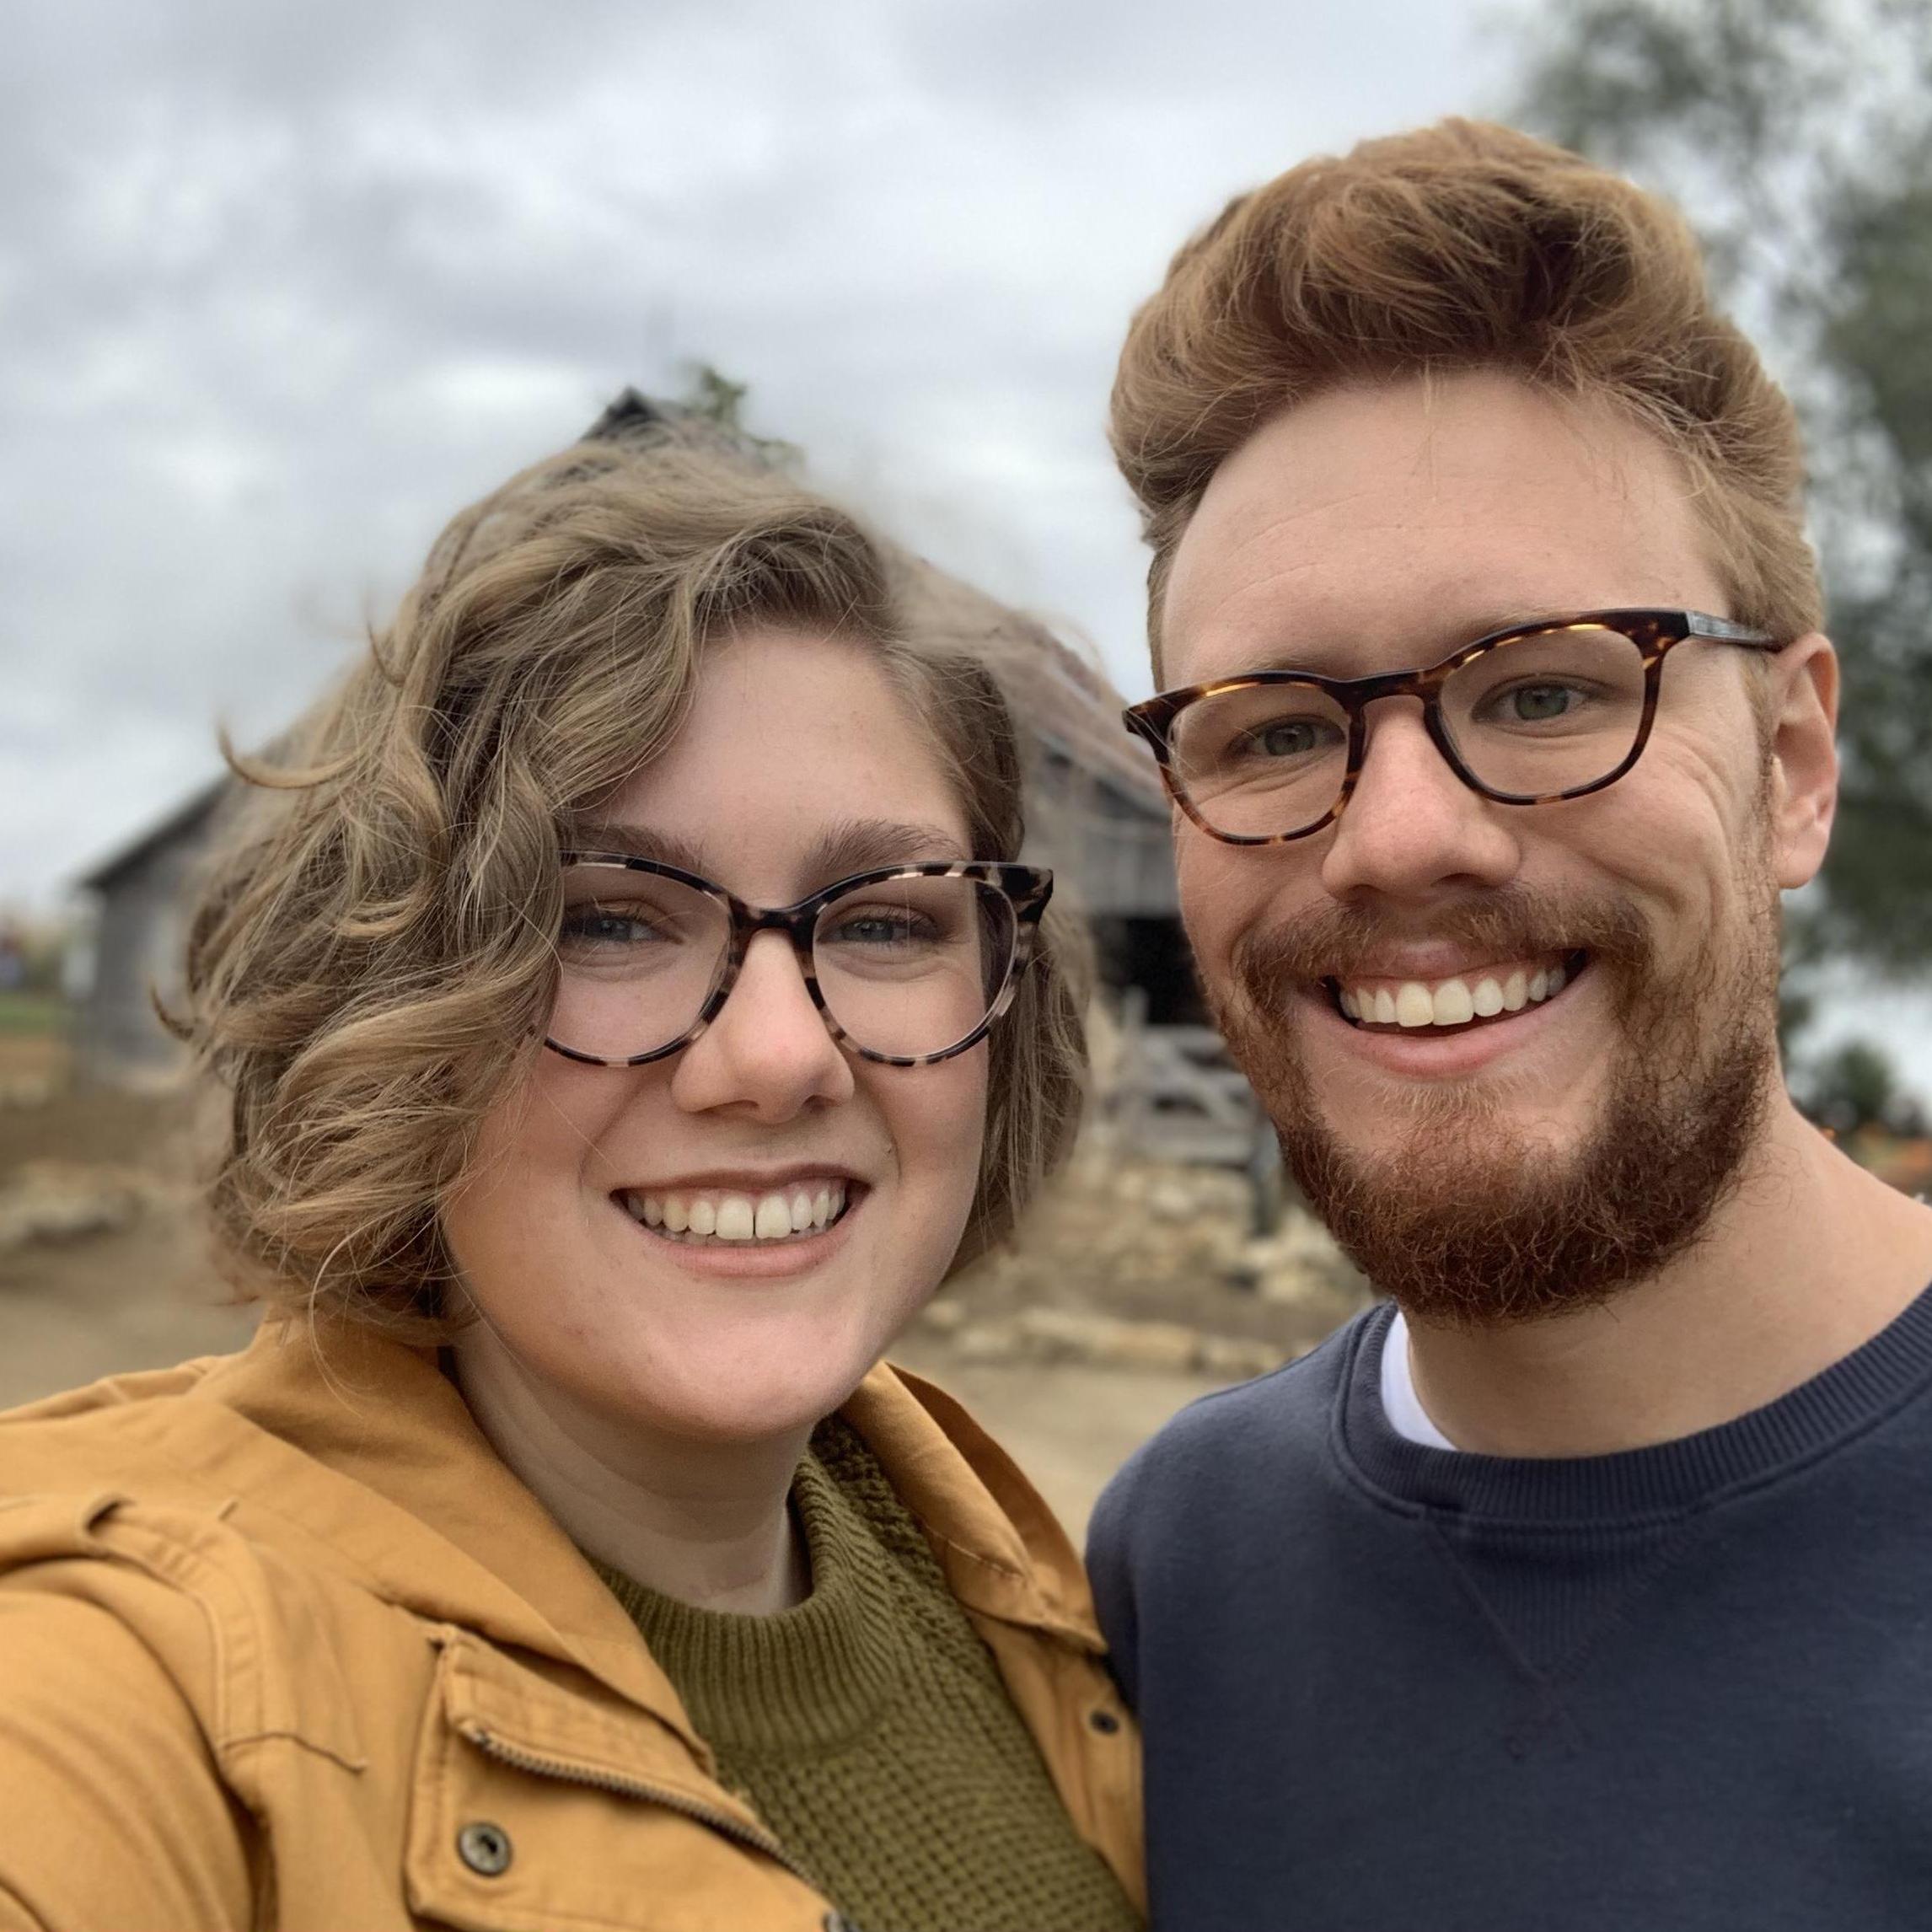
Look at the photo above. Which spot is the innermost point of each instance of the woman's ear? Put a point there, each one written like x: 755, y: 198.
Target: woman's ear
x: 1803, y: 705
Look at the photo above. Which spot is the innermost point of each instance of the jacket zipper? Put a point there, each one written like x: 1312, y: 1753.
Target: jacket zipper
x: 492, y: 1746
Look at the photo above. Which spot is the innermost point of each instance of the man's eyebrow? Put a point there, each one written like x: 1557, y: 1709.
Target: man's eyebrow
x: 859, y: 845
x: 633, y: 842
x: 1430, y: 644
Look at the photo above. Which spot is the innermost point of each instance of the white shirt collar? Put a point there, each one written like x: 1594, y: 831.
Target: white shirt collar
x: 1406, y: 1415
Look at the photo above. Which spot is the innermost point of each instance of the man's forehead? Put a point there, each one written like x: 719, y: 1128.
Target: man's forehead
x: 1417, y: 514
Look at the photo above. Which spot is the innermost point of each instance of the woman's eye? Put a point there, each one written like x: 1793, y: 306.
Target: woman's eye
x: 599, y: 926
x: 871, y: 928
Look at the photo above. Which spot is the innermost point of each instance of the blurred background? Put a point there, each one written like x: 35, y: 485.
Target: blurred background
x: 281, y: 288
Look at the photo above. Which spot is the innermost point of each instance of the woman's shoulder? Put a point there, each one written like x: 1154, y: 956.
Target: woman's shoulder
x: 143, y: 1634
x: 104, y: 1430
x: 141, y: 1531
x: 117, y: 1813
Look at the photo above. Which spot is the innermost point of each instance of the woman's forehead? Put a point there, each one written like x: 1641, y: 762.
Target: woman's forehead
x: 798, y: 753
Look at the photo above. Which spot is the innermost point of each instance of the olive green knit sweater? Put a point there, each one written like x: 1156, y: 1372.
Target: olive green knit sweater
x: 869, y: 1727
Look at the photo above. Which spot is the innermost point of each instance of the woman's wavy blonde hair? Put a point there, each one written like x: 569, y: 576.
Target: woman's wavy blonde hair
x: 380, y: 925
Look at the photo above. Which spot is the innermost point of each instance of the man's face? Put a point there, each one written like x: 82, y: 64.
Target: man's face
x: 1503, y: 1165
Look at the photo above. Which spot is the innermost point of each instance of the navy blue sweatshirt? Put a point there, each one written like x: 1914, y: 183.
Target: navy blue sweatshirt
x: 1392, y: 1688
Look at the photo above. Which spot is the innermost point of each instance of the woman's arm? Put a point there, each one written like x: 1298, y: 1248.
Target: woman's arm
x: 114, y: 1813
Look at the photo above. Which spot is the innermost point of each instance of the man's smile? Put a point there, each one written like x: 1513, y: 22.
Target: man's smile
x: 1495, y: 990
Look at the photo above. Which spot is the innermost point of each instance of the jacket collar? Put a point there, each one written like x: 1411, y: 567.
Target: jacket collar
x: 361, y: 1441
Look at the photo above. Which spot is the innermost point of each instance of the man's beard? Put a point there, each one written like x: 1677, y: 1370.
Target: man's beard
x: 1462, y: 1216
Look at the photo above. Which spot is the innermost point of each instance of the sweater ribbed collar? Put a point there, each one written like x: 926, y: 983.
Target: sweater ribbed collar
x: 810, y: 1678
x: 1634, y: 1486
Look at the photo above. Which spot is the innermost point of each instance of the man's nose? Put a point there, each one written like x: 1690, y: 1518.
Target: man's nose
x: 769, y: 1052
x: 1411, y: 827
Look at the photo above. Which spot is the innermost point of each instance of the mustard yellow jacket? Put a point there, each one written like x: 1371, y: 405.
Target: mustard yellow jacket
x: 284, y: 1643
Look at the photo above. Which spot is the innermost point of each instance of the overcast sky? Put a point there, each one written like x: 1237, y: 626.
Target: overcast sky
x: 282, y: 286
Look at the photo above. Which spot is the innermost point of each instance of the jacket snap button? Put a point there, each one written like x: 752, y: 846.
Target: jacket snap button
x: 485, y: 1849
x: 1105, y: 1722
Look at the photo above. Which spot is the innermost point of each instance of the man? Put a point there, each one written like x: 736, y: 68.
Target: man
x: 1586, y: 1584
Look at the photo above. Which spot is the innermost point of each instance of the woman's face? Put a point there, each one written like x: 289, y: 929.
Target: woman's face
x: 799, y: 763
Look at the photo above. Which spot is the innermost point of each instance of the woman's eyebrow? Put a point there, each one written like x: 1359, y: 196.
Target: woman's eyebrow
x: 633, y: 842
x: 851, y: 846
x: 858, y: 844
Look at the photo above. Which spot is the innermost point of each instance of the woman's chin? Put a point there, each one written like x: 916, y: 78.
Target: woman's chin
x: 751, y: 1394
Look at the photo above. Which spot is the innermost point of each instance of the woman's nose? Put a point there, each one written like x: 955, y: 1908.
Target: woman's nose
x: 768, y: 1050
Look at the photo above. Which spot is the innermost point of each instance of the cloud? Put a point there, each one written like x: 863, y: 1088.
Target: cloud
x: 281, y: 288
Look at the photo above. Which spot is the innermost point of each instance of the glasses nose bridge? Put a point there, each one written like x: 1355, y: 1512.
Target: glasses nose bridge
x: 1424, y: 687
x: 791, y: 924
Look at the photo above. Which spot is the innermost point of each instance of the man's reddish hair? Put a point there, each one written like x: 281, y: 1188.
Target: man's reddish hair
x: 1462, y: 246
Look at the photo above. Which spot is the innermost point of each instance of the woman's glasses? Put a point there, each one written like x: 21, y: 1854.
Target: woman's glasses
x: 907, y: 964
x: 1544, y: 710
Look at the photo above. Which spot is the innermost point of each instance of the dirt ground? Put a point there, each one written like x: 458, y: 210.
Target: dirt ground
x: 1151, y: 1253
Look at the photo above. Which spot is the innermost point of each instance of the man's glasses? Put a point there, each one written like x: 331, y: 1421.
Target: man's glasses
x: 1543, y: 711
x: 907, y: 964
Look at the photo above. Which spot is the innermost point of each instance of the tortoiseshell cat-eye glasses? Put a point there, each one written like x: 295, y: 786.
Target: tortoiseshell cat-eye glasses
x: 906, y: 964
x: 1555, y: 708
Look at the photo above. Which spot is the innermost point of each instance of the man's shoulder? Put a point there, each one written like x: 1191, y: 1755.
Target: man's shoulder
x: 1276, y: 1426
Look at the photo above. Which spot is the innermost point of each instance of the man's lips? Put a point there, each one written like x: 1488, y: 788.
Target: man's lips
x: 1490, y: 994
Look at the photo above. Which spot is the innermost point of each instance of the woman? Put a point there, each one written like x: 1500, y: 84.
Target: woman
x: 624, y: 1032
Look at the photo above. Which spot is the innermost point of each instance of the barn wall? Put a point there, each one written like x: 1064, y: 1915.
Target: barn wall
x: 139, y: 946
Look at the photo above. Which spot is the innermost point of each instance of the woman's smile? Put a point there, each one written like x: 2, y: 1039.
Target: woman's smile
x: 773, y: 1234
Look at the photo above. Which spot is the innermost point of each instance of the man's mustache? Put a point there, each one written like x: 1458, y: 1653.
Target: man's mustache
x: 1334, y: 940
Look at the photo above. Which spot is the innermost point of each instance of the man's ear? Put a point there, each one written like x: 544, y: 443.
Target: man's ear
x: 1802, y: 707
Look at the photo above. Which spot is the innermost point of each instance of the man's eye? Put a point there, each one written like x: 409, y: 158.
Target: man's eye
x: 1534, y: 704
x: 1286, y: 737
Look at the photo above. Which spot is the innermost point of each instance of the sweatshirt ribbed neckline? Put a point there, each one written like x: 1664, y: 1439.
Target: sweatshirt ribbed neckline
x: 1833, y: 1407
x: 810, y: 1679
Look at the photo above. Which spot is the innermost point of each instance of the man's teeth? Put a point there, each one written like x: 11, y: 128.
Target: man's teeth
x: 720, y: 1216
x: 1453, y: 1002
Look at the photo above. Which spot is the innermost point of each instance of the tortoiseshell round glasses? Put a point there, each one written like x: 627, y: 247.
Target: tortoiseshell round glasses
x: 906, y: 964
x: 1551, y: 709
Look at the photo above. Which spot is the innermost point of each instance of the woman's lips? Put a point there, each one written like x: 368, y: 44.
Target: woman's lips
x: 693, y: 1215
x: 755, y: 1256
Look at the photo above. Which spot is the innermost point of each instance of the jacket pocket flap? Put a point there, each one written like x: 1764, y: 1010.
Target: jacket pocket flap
x: 534, y: 1808
x: 513, y: 1712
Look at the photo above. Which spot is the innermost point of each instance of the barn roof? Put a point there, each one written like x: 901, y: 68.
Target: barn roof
x: 186, y: 819
x: 1063, y: 703
x: 1056, y: 694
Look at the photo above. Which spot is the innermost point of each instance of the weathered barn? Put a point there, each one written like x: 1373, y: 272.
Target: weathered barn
x: 1097, y: 813
x: 141, y: 894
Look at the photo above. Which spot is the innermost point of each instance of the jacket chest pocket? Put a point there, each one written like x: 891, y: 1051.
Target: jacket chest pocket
x: 535, y: 1811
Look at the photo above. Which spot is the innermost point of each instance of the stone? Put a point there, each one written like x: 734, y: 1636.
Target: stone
x: 62, y: 1200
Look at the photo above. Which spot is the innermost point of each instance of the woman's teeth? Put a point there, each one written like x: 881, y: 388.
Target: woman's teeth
x: 711, y: 1216
x: 1454, y: 1002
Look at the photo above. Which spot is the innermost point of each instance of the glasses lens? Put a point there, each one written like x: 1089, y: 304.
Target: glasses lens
x: 1549, y: 712
x: 1262, y: 761
x: 913, y: 966
x: 637, y: 957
